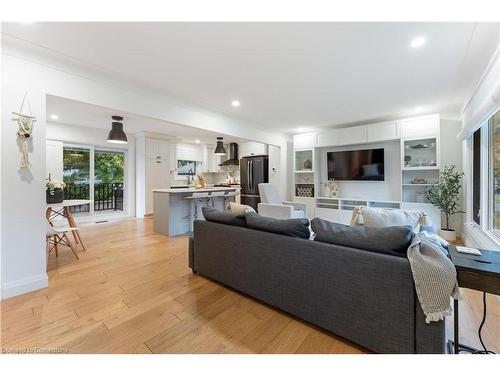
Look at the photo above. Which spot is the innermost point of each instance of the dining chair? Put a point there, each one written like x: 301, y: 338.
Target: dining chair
x: 56, y: 235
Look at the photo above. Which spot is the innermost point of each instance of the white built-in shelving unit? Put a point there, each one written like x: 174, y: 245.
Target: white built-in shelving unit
x: 420, y: 156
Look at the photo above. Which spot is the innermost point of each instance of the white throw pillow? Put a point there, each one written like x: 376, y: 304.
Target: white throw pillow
x: 382, y: 217
x: 240, y: 209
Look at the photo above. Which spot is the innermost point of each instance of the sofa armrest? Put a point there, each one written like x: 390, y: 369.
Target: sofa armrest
x: 297, y: 206
x: 277, y: 211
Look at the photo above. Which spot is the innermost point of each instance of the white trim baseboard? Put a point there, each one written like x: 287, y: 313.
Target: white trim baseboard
x: 25, y: 285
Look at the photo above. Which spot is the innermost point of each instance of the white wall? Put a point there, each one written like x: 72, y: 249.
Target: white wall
x: 54, y: 160
x: 23, y: 191
x: 389, y: 189
x: 451, y: 153
x: 80, y: 135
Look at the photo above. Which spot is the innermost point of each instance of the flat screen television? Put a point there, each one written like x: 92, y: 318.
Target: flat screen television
x: 357, y: 165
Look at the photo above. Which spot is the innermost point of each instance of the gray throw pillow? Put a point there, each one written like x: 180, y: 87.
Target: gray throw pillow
x: 223, y: 217
x: 288, y: 227
x: 393, y: 240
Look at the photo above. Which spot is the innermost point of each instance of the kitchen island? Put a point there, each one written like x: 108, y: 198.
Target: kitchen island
x: 175, y: 209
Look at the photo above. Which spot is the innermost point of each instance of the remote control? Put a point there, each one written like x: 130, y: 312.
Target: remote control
x: 468, y: 250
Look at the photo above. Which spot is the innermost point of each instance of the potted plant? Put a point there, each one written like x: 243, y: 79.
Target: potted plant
x: 445, y: 195
x: 54, y: 191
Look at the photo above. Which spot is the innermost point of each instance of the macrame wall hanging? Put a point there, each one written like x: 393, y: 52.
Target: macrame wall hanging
x: 25, y: 122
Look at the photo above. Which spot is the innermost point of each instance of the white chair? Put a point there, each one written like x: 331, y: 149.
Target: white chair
x: 57, y: 236
x: 197, y: 199
x: 230, y: 197
x: 215, y: 195
x: 272, y: 206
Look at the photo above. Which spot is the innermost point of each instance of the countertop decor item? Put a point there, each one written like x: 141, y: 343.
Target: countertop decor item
x: 25, y: 124
x: 418, y: 181
x: 407, y: 160
x: 308, y: 164
x: 332, y: 186
x: 445, y: 195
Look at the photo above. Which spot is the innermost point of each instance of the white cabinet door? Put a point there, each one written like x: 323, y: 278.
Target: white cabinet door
x: 345, y: 217
x: 382, y: 132
x: 327, y: 214
x: 157, y: 177
x: 253, y: 148
x: 151, y: 148
x: 356, y: 134
x: 310, y: 204
x: 163, y: 149
x: 419, y: 127
x: 304, y: 140
x: 328, y: 138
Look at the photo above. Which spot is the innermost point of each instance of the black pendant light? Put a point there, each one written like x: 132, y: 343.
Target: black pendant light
x: 220, y: 150
x: 116, y: 134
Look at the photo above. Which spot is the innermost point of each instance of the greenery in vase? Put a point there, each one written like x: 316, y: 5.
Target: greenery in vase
x: 446, y: 192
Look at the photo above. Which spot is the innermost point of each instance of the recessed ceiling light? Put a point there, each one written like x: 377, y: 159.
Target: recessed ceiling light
x: 235, y: 103
x: 197, y: 141
x: 417, y: 42
x: 419, y: 108
x: 54, y: 117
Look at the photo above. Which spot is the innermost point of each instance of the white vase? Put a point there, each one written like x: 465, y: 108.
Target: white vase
x: 449, y: 235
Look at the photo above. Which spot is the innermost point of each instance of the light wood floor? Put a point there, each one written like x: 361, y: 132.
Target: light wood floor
x: 132, y: 292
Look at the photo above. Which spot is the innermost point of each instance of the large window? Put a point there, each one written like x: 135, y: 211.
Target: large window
x: 96, y: 175
x: 485, y: 177
x: 494, y: 168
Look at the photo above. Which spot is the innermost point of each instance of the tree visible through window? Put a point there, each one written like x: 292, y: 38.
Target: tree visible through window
x: 494, y: 124
x: 185, y: 167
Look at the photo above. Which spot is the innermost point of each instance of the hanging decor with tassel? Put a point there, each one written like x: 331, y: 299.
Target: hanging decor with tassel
x: 25, y: 124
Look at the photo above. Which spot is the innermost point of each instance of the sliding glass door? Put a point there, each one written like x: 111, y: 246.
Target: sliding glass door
x: 96, y: 175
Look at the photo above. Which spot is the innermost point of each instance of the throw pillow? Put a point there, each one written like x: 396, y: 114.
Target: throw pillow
x: 288, y: 227
x: 240, y: 209
x: 393, y: 240
x: 224, y: 217
x: 383, y: 217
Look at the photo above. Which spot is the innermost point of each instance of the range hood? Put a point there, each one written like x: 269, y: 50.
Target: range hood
x: 233, y: 156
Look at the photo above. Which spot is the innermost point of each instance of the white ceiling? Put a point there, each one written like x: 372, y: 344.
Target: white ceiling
x: 72, y: 112
x: 286, y: 75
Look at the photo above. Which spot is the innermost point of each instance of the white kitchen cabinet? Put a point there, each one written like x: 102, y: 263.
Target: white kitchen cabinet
x: 252, y: 148
x: 328, y: 138
x: 382, y: 132
x: 304, y: 140
x: 157, y: 177
x: 158, y: 148
x: 310, y: 205
x: 425, y: 126
x: 356, y: 134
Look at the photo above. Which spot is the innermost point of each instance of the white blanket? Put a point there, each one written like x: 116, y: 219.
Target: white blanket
x: 434, y: 275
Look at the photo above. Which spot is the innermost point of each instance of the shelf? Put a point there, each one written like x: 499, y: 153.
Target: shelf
x: 304, y: 171
x: 417, y: 184
x: 428, y: 168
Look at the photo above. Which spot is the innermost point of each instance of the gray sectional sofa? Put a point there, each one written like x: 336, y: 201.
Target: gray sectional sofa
x: 366, y: 297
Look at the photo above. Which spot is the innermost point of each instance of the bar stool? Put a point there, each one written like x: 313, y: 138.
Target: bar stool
x: 230, y: 196
x: 216, y: 194
x: 196, y: 199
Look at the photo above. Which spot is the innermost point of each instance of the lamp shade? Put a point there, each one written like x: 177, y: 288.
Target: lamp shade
x: 220, y: 150
x: 116, y: 134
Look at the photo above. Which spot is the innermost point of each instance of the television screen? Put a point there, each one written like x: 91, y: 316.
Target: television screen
x: 359, y: 165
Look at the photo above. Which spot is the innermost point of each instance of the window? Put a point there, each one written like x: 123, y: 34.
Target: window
x: 186, y: 167
x: 96, y: 175
x: 494, y: 172
x: 476, y: 176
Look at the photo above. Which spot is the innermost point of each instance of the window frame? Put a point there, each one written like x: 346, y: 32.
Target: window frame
x: 186, y: 174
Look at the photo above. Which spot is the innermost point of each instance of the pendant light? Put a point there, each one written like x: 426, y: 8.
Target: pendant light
x: 220, y: 150
x: 116, y: 134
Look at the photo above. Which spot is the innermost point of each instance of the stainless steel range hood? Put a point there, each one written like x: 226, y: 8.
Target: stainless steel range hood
x: 233, y: 156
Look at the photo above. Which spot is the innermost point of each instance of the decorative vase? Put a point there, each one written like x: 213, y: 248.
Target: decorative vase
x: 308, y: 164
x: 54, y: 196
x: 333, y: 193
x: 449, y: 235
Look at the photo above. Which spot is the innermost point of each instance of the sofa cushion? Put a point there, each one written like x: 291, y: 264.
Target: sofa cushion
x: 224, y: 217
x: 386, y: 217
x: 288, y: 227
x: 240, y: 209
x: 393, y: 240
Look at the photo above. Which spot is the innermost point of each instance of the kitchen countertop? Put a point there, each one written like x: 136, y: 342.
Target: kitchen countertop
x: 194, y: 190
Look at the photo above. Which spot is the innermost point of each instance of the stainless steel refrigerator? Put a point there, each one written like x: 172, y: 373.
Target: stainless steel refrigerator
x: 253, y: 171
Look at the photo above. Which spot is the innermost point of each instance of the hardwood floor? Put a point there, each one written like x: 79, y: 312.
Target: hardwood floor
x: 132, y: 292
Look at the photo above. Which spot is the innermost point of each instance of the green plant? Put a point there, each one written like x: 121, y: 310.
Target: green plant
x: 445, y: 193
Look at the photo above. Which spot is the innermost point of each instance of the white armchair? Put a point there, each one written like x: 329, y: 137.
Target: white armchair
x: 272, y: 206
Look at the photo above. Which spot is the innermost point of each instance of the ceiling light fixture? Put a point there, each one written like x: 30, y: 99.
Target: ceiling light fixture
x: 235, y: 103
x: 220, y: 150
x: 197, y: 141
x: 54, y: 117
x: 417, y: 42
x: 116, y: 134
